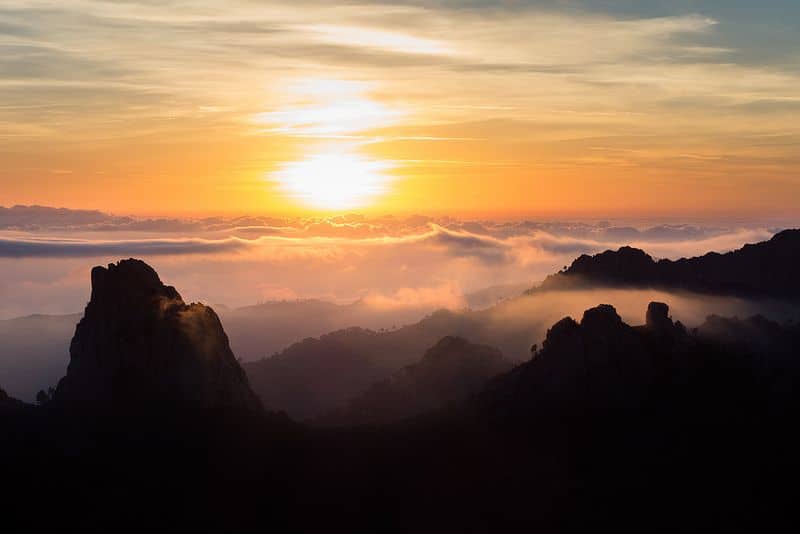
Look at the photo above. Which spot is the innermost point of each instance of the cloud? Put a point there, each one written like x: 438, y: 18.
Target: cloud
x: 46, y: 255
x: 53, y: 248
x: 447, y: 296
x: 467, y: 245
x: 33, y: 217
x: 167, y: 52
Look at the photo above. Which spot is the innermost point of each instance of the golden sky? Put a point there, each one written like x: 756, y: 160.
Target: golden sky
x: 520, y: 108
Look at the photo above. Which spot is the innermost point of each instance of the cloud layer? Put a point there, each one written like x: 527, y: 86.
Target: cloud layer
x: 390, y: 262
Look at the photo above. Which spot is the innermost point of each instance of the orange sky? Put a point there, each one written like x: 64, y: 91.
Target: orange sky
x: 301, y: 108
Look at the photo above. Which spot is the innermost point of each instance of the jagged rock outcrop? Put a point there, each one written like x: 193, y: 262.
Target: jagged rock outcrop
x: 762, y: 269
x: 140, y: 349
x: 9, y: 405
x: 449, y: 371
x: 598, y: 366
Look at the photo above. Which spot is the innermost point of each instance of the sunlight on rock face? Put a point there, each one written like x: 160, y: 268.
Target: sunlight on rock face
x: 334, y: 180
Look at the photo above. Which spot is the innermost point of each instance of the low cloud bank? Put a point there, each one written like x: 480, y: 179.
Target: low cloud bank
x: 411, y: 262
x: 56, y: 248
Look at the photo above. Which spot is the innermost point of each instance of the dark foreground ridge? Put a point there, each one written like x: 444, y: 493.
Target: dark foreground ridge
x: 766, y: 269
x: 650, y: 428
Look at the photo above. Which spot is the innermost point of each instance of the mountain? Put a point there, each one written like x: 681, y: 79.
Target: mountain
x: 653, y: 427
x: 318, y: 375
x: 35, y: 349
x: 311, y: 378
x: 139, y: 347
x: 451, y: 370
x: 593, y: 367
x: 766, y: 269
x: 263, y: 329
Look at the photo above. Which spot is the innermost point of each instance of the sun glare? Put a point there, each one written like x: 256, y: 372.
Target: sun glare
x: 334, y: 175
x: 334, y: 181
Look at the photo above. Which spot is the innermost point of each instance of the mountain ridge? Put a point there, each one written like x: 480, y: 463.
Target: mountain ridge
x: 764, y: 269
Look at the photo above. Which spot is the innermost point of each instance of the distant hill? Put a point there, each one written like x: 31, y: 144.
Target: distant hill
x: 766, y: 269
x: 262, y: 329
x: 449, y: 371
x: 310, y: 378
x: 317, y: 375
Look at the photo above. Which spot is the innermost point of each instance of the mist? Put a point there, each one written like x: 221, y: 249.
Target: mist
x: 277, y: 281
x: 534, y: 314
x: 412, y: 265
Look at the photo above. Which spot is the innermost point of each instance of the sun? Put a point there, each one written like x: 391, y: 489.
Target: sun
x: 334, y: 180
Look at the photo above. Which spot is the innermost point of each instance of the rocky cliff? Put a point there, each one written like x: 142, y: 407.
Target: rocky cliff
x: 140, y: 348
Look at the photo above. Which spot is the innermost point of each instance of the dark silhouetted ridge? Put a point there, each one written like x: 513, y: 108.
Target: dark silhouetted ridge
x: 763, y: 269
x: 10, y: 405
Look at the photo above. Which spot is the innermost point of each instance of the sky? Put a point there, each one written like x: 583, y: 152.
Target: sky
x: 556, y: 109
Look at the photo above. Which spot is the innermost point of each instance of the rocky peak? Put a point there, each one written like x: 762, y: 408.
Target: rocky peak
x: 140, y: 347
x: 657, y: 317
x: 601, y: 317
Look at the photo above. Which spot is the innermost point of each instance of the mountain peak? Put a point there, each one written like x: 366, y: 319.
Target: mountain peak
x: 602, y: 316
x: 657, y: 317
x: 140, y: 347
x: 129, y: 279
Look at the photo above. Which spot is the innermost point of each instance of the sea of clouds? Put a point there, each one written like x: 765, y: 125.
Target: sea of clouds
x: 408, y: 262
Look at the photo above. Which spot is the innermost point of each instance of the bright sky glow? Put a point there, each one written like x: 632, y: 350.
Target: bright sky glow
x: 335, y: 181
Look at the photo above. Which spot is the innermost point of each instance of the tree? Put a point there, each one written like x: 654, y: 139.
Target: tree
x: 43, y: 397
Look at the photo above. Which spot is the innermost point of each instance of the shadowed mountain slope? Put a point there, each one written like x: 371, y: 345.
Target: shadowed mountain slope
x: 311, y: 378
x: 451, y: 370
x: 764, y: 269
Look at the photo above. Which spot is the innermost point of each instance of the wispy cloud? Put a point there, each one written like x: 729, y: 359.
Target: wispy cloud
x: 476, y: 85
x: 73, y: 248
